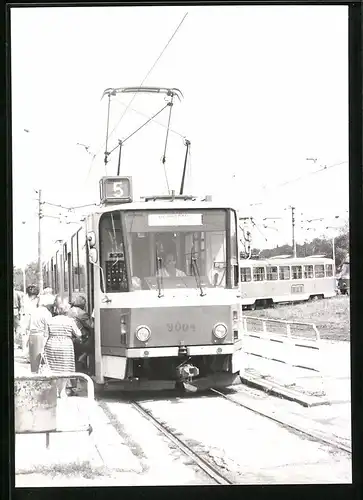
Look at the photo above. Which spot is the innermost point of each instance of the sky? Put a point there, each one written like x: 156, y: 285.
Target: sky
x: 265, y: 88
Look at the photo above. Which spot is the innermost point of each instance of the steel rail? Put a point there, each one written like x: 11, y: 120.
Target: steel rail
x: 203, y: 464
x: 311, y: 434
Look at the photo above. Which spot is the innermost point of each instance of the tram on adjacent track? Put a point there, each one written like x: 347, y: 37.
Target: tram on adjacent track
x: 265, y: 282
x: 161, y: 277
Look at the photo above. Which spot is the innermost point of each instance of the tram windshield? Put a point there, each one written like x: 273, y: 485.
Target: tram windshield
x: 160, y: 244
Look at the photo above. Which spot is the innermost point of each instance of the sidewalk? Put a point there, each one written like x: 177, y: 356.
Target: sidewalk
x: 72, y: 455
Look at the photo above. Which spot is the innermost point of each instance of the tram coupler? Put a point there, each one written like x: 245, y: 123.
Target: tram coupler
x: 187, y: 371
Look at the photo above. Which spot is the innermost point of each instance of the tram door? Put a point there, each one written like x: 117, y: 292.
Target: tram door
x: 90, y: 307
x: 90, y: 287
x: 70, y: 281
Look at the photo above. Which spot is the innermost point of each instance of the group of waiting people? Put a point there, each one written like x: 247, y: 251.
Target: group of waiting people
x: 56, y: 331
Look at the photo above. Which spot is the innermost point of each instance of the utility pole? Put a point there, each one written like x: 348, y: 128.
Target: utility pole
x: 24, y: 271
x: 24, y: 278
x: 40, y: 216
x: 293, y: 229
x: 333, y: 245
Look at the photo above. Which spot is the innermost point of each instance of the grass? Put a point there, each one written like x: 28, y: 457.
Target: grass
x: 74, y: 469
x: 331, y: 316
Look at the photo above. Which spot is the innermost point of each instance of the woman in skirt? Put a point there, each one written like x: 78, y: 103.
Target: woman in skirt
x: 38, y: 330
x: 58, y: 350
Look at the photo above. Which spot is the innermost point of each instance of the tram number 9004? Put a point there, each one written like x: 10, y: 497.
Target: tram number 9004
x: 180, y: 327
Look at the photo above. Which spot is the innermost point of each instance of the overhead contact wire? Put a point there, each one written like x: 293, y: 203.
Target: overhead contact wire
x: 147, y: 116
x: 145, y: 78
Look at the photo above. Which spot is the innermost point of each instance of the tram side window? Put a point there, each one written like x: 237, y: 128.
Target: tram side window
x: 57, y: 273
x: 258, y: 274
x: 272, y: 274
x: 55, y: 278
x: 82, y: 260
x: 328, y: 270
x: 52, y: 274
x: 245, y: 274
x: 319, y: 271
x: 48, y: 279
x: 65, y: 269
x: 284, y: 272
x: 296, y: 272
x: 75, y: 274
x: 308, y: 272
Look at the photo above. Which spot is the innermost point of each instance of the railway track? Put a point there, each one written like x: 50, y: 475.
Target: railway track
x: 219, y: 460
x: 311, y: 434
x: 208, y: 468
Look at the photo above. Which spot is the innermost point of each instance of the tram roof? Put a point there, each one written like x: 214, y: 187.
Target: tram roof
x: 285, y: 261
x: 176, y: 204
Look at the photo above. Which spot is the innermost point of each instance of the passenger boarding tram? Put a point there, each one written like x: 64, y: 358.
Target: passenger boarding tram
x: 344, y: 277
x: 276, y: 280
x: 162, y: 277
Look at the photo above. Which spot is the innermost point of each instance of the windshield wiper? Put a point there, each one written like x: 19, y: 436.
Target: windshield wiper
x: 195, y: 271
x: 159, y: 278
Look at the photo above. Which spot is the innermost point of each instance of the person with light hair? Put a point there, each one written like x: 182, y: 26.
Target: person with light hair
x: 169, y: 269
x: 38, y: 330
x: 58, y: 301
x: 18, y: 316
x: 31, y: 299
x: 80, y: 315
x: 59, y: 350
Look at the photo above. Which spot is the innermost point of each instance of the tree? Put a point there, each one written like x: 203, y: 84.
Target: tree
x: 273, y: 252
x: 30, y: 275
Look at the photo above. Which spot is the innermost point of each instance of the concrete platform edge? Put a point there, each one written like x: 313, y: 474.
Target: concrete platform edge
x: 278, y: 390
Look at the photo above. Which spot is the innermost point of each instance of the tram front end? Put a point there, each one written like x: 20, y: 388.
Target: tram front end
x: 189, y: 340
x: 166, y: 293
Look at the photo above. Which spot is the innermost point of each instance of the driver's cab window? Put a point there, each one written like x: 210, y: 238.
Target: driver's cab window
x: 216, y: 258
x: 112, y: 253
x: 164, y: 245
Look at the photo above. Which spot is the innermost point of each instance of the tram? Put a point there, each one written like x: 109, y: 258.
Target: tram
x: 161, y: 277
x: 279, y: 280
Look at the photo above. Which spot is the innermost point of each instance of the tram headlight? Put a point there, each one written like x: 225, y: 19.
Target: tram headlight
x: 143, y: 333
x: 220, y: 330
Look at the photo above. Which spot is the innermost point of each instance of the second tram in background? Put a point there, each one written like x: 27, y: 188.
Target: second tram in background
x: 285, y: 279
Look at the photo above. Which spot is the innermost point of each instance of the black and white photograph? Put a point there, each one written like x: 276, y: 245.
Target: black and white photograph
x: 181, y: 268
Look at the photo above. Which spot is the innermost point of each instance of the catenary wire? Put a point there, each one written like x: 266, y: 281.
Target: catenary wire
x: 325, y: 168
x: 143, y: 81
x: 148, y: 73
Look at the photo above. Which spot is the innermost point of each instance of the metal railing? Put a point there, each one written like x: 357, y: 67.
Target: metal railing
x: 21, y: 427
x: 289, y: 329
x: 292, y: 343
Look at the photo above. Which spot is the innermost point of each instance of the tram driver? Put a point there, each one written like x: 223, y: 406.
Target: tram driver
x: 169, y: 269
